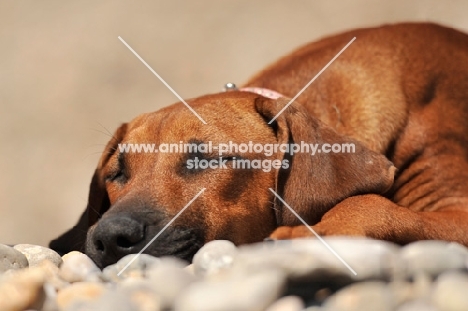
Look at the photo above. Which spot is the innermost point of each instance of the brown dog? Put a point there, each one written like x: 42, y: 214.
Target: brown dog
x: 398, y: 93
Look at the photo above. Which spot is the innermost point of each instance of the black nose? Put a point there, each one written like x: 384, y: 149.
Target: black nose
x: 117, y: 236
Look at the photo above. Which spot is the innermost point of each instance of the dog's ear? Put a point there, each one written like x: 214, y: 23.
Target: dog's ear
x: 312, y: 184
x: 98, y: 202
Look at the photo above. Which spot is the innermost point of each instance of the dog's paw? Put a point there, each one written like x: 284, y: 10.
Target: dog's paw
x: 321, y: 229
x: 288, y: 233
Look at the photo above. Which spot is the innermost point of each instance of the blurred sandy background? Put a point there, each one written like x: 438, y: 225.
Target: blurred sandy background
x: 65, y: 79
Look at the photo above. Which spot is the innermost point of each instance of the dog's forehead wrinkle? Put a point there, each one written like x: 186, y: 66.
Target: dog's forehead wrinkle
x: 236, y: 124
x: 173, y: 123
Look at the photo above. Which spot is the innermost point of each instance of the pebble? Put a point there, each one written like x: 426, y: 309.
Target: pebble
x: 77, y: 267
x: 109, y: 301
x: 169, y: 279
x: 451, y: 291
x: 295, y: 264
x: 142, y: 294
x: 79, y: 293
x: 43, y: 283
x: 403, y: 291
x: 417, y: 305
x: 213, y: 257
x: 365, y: 296
x: 370, y: 259
x: 288, y: 303
x: 298, y: 275
x: 311, y: 260
x: 50, y: 301
x: 255, y: 292
x: 190, y: 269
x: 137, y: 268
x: 36, y: 254
x: 10, y: 258
x: 432, y: 257
x: 52, y: 274
x: 22, y: 290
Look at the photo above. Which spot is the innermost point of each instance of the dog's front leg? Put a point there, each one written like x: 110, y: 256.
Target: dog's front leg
x: 376, y: 217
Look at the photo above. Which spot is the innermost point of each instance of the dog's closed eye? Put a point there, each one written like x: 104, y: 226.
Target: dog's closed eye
x: 230, y: 158
x: 118, y: 173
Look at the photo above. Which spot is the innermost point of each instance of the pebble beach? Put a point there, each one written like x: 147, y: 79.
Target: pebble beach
x: 299, y: 275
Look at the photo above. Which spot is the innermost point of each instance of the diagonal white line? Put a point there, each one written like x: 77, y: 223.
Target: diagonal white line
x: 161, y: 79
x: 313, y: 79
x: 315, y: 233
x: 162, y: 230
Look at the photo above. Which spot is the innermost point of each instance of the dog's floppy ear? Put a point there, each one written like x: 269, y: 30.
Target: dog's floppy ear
x: 315, y: 183
x: 98, y: 203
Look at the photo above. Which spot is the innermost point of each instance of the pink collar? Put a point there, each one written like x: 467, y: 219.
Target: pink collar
x: 262, y: 91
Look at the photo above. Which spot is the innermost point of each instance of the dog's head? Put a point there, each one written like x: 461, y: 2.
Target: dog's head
x: 135, y: 195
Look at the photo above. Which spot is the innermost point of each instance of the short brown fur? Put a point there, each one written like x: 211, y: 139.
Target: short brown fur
x: 399, y: 92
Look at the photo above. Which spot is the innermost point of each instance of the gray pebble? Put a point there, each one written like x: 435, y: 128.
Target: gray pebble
x: 10, y: 258
x: 169, y: 279
x: 293, y: 262
x: 432, y: 257
x: 214, y: 256
x: 451, y: 291
x: 255, y: 292
x: 288, y: 303
x: 369, y: 258
x: 136, y: 269
x: 311, y: 260
x: 167, y: 262
x: 365, y: 296
x: 37, y: 254
x: 78, y: 267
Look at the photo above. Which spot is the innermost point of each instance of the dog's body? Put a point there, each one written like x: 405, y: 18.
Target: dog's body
x: 398, y: 92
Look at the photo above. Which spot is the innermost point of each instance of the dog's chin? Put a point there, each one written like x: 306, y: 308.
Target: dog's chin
x: 175, y: 242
